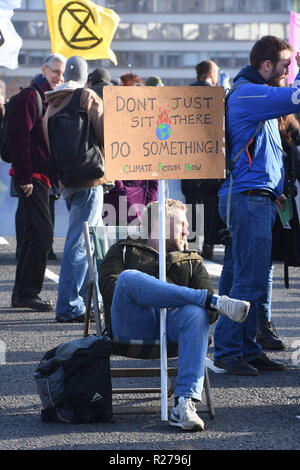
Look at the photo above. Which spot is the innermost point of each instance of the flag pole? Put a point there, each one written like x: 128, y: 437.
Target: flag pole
x: 163, y: 312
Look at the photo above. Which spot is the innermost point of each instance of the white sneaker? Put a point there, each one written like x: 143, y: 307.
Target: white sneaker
x: 185, y: 417
x: 236, y: 310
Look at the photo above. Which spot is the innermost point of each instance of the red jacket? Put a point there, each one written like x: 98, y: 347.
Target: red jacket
x: 26, y: 138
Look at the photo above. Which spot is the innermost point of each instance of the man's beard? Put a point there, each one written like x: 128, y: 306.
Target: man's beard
x: 278, y: 81
x: 275, y: 79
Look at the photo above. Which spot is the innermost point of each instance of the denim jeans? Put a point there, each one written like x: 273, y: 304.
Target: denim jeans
x: 225, y: 284
x: 264, y: 308
x: 246, y: 268
x: 83, y: 206
x: 135, y: 314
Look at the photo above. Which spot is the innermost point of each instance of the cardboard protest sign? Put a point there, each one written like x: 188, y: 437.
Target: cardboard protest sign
x: 164, y: 132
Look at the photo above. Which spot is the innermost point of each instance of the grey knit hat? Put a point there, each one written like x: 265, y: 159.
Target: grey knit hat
x: 76, y: 70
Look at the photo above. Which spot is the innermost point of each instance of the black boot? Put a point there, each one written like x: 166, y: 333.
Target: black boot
x: 267, y: 336
x: 207, y: 251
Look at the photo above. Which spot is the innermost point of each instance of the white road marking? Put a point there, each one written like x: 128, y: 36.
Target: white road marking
x: 214, y: 269
x: 52, y: 276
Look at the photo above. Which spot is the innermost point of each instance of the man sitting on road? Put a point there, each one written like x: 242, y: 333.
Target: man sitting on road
x: 131, y: 290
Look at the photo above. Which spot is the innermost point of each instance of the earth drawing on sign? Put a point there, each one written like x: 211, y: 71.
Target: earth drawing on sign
x: 163, y: 131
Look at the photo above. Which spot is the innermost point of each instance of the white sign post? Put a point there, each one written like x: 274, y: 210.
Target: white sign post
x: 163, y: 312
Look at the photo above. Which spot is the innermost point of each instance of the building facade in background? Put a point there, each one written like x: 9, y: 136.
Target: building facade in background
x: 161, y: 37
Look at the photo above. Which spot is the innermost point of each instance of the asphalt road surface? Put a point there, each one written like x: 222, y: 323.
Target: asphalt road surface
x: 251, y: 413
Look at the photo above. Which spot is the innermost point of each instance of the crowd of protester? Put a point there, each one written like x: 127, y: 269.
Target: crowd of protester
x: 261, y: 128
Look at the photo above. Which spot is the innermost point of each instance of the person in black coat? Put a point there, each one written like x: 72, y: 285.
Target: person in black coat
x: 206, y: 190
x: 98, y: 79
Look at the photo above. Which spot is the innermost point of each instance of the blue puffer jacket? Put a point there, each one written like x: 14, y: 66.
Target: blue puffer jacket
x: 248, y: 105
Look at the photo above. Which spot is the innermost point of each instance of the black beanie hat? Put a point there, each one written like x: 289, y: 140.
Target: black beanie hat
x: 99, y: 75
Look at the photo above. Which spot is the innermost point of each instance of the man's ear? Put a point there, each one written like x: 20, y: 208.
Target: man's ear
x: 266, y: 69
x: 267, y: 65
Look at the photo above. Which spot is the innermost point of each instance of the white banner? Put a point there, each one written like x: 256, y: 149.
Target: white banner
x: 10, y: 41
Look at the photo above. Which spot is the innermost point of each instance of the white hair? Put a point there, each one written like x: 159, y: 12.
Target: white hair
x: 55, y: 58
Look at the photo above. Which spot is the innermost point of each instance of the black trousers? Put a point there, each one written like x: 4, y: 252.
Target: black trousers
x: 212, y: 220
x: 36, y: 242
x: 20, y: 222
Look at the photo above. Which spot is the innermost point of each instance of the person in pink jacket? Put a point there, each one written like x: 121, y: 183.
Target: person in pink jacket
x: 125, y: 202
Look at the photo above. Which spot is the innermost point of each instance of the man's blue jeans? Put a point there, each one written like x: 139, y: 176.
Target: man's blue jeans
x: 83, y: 206
x: 246, y: 269
x: 225, y: 284
x: 135, y: 314
x: 265, y: 303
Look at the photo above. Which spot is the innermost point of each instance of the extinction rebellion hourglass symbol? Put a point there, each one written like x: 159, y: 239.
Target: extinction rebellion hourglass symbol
x: 82, y: 19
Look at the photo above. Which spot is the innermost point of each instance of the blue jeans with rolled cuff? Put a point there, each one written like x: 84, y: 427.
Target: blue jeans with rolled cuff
x: 135, y: 314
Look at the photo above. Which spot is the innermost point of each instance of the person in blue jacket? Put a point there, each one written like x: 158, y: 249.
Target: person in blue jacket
x: 254, y: 191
